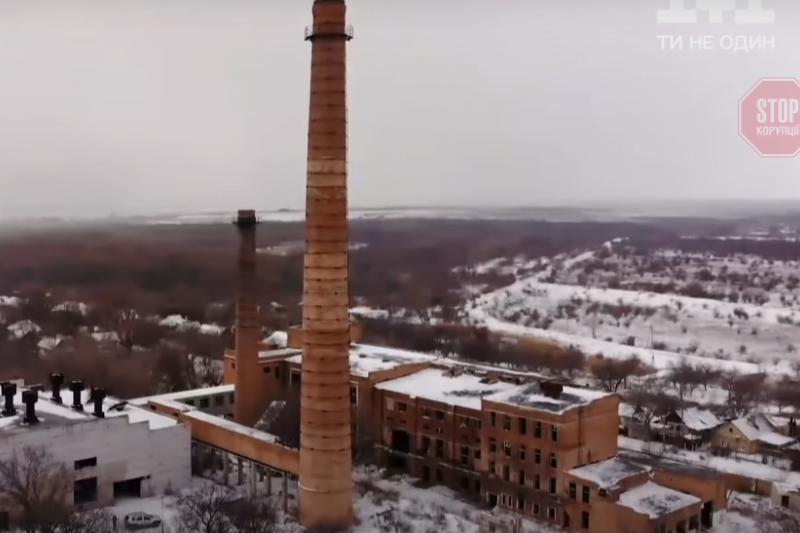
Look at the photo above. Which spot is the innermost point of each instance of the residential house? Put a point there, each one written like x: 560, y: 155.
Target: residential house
x: 689, y: 428
x: 753, y: 434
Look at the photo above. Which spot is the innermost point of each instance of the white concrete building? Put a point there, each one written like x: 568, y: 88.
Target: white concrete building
x: 129, y: 451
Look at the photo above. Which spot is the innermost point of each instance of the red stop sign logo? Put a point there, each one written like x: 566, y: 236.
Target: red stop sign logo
x: 769, y: 117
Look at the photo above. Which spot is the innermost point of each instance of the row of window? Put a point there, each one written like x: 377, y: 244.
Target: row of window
x: 523, y: 453
x: 518, y: 503
x: 219, y: 400
x: 522, y: 426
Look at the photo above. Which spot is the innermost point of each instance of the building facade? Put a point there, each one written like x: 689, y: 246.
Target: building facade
x: 110, y: 449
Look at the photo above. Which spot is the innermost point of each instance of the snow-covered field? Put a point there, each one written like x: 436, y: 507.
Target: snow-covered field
x: 747, y: 319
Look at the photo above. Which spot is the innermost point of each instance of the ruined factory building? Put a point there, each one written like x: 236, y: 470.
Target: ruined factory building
x: 115, y: 448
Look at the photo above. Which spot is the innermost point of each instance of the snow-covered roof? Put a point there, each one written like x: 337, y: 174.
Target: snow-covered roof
x: 607, y: 474
x: 10, y: 301
x: 186, y: 394
x: 51, y: 413
x: 366, y: 359
x: 531, y: 396
x: 752, y: 426
x: 655, y: 500
x: 775, y: 439
x: 278, y: 338
x: 699, y: 419
x: 438, y: 385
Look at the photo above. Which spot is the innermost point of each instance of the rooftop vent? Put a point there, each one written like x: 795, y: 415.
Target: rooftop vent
x: 9, y: 390
x: 56, y: 382
x: 551, y: 389
x: 97, y: 395
x: 77, y: 388
x: 29, y: 398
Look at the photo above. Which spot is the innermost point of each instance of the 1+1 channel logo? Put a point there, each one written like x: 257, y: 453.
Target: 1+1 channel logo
x: 740, y: 12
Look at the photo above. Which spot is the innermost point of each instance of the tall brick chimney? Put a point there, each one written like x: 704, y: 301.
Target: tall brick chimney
x: 248, y: 327
x: 325, y: 484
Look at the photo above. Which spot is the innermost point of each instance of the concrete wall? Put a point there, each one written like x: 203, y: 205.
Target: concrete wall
x: 123, y: 451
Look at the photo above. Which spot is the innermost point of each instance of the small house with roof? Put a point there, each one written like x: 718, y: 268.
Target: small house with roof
x: 689, y: 428
x: 753, y: 434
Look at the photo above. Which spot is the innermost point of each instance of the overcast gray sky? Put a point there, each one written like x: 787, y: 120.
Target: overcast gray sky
x: 144, y: 105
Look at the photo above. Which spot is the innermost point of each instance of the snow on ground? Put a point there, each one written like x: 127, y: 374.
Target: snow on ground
x: 731, y: 465
x: 24, y: 327
x: 10, y: 301
x: 660, y: 329
x: 183, y: 324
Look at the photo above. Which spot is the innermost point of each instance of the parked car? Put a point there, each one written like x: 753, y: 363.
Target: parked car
x: 141, y: 521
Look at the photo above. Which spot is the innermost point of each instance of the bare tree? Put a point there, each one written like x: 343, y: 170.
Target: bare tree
x: 779, y: 520
x: 744, y: 391
x: 650, y: 402
x: 208, y: 370
x: 31, y: 481
x: 612, y: 373
x: 203, y: 510
x: 94, y: 521
x: 686, y: 378
x: 219, y: 509
x: 257, y: 513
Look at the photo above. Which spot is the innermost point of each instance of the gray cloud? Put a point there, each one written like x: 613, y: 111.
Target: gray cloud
x: 142, y: 106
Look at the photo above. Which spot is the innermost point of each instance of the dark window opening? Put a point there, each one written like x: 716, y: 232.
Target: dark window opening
x: 465, y: 483
x: 707, y: 514
x: 277, y: 373
x: 231, y: 398
x: 5, y: 521
x: 267, y: 369
x: 85, y: 491
x: 492, y: 499
x: 554, y: 434
x: 552, y: 485
x: 190, y: 402
x: 86, y: 463
x: 537, y: 482
x: 426, y: 473
x: 553, y: 460
x: 585, y: 494
x: 523, y: 426
x: 402, y: 407
x: 439, y: 476
x: 219, y: 400
x: 426, y: 445
x: 203, y: 402
x: 521, y: 477
x: 585, y: 520
x: 537, y: 430
x: 537, y: 509
x: 493, y: 423
x: 130, y: 488
x: 681, y: 527
x: 477, y: 486
x: 506, y: 473
x: 353, y: 395
x: 401, y: 441
x: 439, y: 448
x: 520, y: 503
x: 573, y: 491
x: 565, y: 520
x: 439, y: 415
x: 551, y: 513
x: 522, y: 453
x: 396, y: 462
x: 694, y: 522
x: 296, y: 378
x: 784, y: 501
x: 537, y: 456
x: 492, y: 445
x: 507, y: 423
